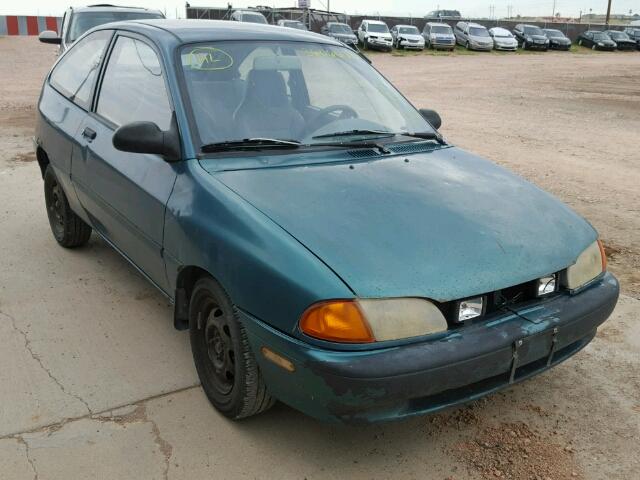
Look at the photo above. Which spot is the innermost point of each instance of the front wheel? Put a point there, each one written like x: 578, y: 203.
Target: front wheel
x: 468, y: 46
x: 224, y: 361
x: 68, y: 229
x: 594, y: 47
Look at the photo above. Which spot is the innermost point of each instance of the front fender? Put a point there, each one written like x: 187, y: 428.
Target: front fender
x: 266, y: 271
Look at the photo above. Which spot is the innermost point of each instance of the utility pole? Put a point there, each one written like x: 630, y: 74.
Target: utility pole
x: 608, y: 13
x: 553, y: 14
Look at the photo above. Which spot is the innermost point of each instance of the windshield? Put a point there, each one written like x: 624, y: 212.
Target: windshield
x: 478, y: 32
x: 253, y: 18
x: 344, y: 29
x: 600, y: 37
x: 533, y: 31
x: 441, y: 29
x: 83, y: 21
x: 409, y: 30
x: 553, y: 33
x: 635, y: 33
x: 292, y: 91
x: 502, y: 34
x: 377, y: 28
x: 298, y: 25
x: 618, y: 35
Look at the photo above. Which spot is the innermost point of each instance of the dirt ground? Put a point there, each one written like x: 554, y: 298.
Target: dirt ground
x: 95, y: 383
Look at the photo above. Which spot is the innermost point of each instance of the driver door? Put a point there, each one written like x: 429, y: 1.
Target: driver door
x: 126, y: 193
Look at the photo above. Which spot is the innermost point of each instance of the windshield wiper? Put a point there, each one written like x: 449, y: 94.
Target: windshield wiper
x: 349, y: 133
x: 249, y: 143
x: 426, y: 136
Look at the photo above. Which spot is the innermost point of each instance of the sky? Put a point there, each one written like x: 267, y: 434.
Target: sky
x: 417, y: 8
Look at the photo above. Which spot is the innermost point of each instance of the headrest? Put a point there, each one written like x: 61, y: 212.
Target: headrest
x: 276, y: 63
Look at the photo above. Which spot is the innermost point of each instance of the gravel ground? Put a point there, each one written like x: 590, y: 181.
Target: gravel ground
x: 96, y: 384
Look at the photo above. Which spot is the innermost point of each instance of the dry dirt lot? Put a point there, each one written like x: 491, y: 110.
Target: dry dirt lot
x: 94, y: 382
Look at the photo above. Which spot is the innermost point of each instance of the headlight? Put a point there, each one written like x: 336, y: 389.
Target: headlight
x: 591, y: 263
x: 600, y: 44
x: 372, y: 320
x: 529, y: 39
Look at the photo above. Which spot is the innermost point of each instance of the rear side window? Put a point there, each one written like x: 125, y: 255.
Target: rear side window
x: 133, y: 88
x: 76, y: 72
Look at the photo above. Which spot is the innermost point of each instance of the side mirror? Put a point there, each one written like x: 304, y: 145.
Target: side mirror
x: 432, y: 117
x: 146, y: 137
x: 49, y: 36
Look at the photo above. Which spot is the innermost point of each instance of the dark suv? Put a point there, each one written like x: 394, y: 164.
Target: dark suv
x: 531, y: 37
x: 77, y: 20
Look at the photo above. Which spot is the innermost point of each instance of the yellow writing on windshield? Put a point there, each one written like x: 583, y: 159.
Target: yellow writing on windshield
x: 209, y: 58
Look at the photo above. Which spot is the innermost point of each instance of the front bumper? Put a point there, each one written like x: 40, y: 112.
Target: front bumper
x: 506, y: 48
x: 410, y: 45
x: 381, y: 44
x: 414, y: 379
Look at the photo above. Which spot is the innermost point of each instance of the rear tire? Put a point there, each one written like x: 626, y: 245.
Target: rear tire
x: 224, y: 361
x: 68, y: 229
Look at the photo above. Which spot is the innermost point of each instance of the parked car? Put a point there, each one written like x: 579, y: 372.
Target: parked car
x: 333, y: 250
x: 531, y: 37
x: 473, y: 36
x: 439, y: 36
x: 557, y: 39
x: 622, y: 40
x: 596, y: 41
x: 248, y: 16
x: 77, y: 20
x: 375, y: 34
x: 292, y: 24
x: 503, y: 39
x: 634, y: 34
x: 444, y: 15
x: 408, y: 37
x: 341, y: 32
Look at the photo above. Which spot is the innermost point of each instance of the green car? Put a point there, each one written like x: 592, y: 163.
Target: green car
x: 322, y: 242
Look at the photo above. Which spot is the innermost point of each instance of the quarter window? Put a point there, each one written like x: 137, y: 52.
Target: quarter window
x: 76, y: 72
x: 133, y: 88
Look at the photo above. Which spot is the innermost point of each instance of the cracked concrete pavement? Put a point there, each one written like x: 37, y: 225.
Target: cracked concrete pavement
x: 95, y: 383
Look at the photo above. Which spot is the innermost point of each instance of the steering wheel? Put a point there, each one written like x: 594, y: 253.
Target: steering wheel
x: 322, y: 117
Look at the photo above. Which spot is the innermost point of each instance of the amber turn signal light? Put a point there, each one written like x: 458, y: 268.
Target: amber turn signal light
x: 336, y: 321
x: 603, y: 255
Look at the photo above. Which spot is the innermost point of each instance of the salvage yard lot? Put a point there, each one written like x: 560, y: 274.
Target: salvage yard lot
x: 95, y: 383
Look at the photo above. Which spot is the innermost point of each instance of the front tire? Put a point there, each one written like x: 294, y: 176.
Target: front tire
x: 224, y: 361
x: 68, y: 229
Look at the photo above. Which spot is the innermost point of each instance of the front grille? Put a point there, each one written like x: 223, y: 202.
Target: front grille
x: 499, y: 301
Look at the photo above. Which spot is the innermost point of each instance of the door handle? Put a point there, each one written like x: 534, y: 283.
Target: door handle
x: 89, y: 133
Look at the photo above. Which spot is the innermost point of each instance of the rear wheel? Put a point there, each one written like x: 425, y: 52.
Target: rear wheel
x: 224, y: 361
x: 68, y: 229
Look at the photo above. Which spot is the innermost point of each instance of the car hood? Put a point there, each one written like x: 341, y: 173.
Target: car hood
x: 343, y: 36
x: 411, y: 36
x: 507, y: 40
x: 442, y: 225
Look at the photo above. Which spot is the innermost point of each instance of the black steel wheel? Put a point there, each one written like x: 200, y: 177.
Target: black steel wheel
x: 224, y: 361
x: 68, y: 229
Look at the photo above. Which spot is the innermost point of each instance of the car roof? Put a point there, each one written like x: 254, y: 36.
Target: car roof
x: 499, y: 29
x: 193, y: 31
x: 476, y: 25
x: 105, y: 7
x: 380, y: 22
x: 406, y: 26
x: 438, y: 24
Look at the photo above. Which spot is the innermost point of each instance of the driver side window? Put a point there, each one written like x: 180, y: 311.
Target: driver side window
x: 133, y: 87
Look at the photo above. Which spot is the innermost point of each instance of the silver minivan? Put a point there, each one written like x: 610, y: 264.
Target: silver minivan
x: 473, y: 36
x: 439, y: 36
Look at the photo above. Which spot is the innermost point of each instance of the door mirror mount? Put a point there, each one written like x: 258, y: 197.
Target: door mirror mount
x: 49, y: 36
x: 432, y: 117
x: 146, y: 137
